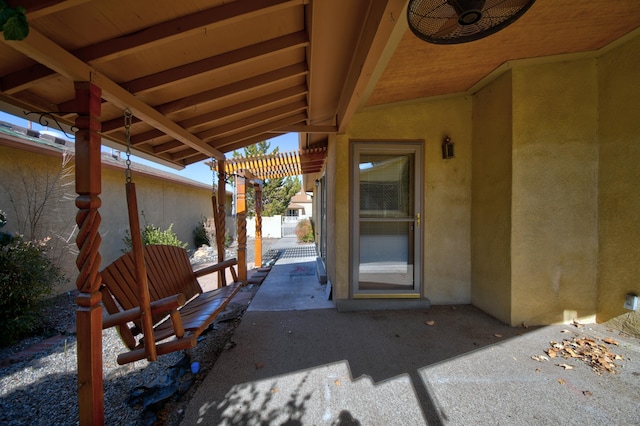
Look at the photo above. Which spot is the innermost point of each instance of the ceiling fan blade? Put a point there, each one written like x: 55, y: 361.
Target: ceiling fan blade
x: 448, y: 27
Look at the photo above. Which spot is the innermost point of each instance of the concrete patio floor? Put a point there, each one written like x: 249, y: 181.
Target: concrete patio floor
x: 297, y: 361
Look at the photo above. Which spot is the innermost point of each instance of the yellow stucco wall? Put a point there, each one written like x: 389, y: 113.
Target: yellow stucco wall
x: 554, y: 192
x: 26, y: 172
x: 619, y: 182
x: 447, y: 191
x: 334, y: 253
x: 163, y: 201
x: 491, y: 199
x: 548, y: 229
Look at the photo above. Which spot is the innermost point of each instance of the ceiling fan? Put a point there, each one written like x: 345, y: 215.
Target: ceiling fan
x: 461, y: 21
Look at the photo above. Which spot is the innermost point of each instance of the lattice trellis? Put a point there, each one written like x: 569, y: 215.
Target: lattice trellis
x: 279, y: 165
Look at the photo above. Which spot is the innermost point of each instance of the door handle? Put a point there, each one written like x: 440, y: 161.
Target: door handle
x: 418, y: 220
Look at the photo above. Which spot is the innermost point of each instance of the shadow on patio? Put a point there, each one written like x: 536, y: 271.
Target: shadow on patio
x: 296, y: 360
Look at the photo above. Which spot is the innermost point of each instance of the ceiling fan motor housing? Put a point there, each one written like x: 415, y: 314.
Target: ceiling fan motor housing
x: 469, y: 11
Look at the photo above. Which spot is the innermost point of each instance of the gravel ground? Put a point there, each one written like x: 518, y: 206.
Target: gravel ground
x: 42, y: 390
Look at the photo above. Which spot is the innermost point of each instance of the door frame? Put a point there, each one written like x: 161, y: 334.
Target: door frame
x: 390, y: 147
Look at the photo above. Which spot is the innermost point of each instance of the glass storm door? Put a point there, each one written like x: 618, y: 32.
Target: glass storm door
x: 386, y: 232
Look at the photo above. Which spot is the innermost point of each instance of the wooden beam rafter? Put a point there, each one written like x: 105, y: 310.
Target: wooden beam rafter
x: 244, y: 56
x: 243, y: 107
x: 154, y: 35
x: 242, y: 139
x: 375, y: 33
x: 253, y: 120
x: 308, y: 128
x: 223, y: 143
x: 43, y: 50
x: 227, y: 112
x: 248, y: 84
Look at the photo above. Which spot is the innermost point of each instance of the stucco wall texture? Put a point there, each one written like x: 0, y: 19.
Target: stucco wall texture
x: 554, y: 190
x: 619, y: 182
x: 536, y: 219
x: 446, y: 191
x: 163, y: 201
x: 491, y: 199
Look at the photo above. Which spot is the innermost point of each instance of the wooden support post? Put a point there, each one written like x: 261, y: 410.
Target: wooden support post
x: 241, y: 213
x: 221, y: 227
x: 89, y: 312
x: 258, y: 255
x: 221, y: 233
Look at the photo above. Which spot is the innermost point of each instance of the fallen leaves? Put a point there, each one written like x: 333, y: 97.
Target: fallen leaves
x: 565, y: 366
x: 539, y: 358
x: 430, y: 322
x: 594, y: 354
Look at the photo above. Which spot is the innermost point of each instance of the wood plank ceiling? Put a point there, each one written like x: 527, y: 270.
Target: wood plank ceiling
x: 202, y: 78
x: 206, y: 77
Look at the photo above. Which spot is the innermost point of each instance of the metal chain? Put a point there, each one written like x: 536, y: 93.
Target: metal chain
x: 213, y: 176
x: 128, y: 120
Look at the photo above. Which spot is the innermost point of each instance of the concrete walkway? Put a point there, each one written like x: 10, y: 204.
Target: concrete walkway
x: 297, y: 361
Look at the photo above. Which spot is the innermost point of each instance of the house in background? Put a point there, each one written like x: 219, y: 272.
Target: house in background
x: 300, y: 207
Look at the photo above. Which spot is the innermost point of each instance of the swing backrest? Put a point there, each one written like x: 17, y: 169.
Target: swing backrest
x: 169, y: 272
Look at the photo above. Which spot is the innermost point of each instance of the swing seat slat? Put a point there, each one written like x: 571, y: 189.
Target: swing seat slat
x: 180, y: 309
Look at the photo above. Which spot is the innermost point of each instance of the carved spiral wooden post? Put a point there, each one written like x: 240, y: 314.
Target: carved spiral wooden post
x: 221, y: 233
x: 89, y: 312
x: 241, y: 213
x: 258, y: 255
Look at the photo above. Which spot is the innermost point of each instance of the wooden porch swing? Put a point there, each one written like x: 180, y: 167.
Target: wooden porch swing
x: 152, y: 294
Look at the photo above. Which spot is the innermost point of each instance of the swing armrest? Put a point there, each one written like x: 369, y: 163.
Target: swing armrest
x: 215, y: 268
x: 168, y: 304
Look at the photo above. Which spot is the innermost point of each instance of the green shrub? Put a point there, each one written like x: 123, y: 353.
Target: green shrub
x: 27, y: 277
x: 152, y: 234
x: 304, y: 231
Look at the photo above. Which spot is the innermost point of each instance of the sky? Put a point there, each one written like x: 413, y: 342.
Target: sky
x: 197, y: 171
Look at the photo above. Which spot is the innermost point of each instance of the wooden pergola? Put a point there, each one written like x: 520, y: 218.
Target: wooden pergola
x: 252, y: 171
x: 280, y: 164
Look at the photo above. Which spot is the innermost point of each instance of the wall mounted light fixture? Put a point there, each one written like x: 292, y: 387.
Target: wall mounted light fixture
x: 447, y: 148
